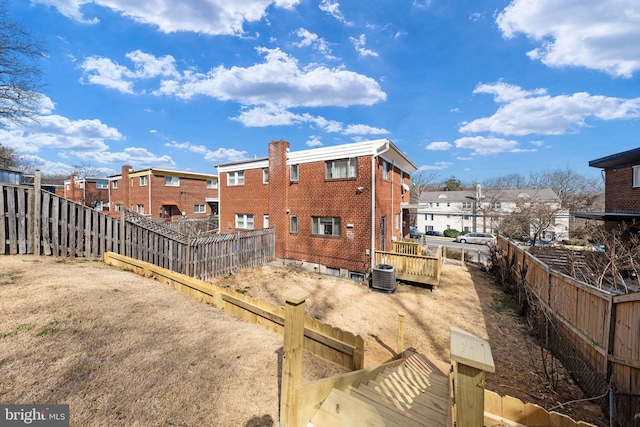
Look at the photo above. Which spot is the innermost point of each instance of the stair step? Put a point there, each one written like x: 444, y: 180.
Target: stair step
x: 423, y: 409
x: 398, y: 381
x: 341, y: 409
x: 386, y: 405
x: 438, y: 401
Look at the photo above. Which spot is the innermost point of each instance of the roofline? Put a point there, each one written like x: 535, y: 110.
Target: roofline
x: 625, y: 158
x: 163, y: 172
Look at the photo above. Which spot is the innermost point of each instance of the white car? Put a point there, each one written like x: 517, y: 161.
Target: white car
x: 479, y: 238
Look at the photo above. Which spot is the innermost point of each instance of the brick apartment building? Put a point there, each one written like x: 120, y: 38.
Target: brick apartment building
x: 164, y: 194
x: 621, y: 188
x: 93, y: 192
x: 330, y: 206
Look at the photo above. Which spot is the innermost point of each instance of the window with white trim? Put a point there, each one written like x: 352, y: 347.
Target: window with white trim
x: 397, y: 217
x: 102, y: 184
x: 341, y: 169
x: 385, y: 170
x: 172, y: 181
x: 265, y: 175
x: 333, y: 271
x: 325, y: 226
x: 199, y: 208
x: 140, y: 209
x: 212, y: 183
x: 143, y: 181
x: 636, y: 176
x: 293, y: 173
x: 293, y: 224
x: 235, y: 178
x: 244, y: 221
x: 114, y: 184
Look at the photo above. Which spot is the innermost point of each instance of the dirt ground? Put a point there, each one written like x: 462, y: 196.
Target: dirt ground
x: 123, y: 350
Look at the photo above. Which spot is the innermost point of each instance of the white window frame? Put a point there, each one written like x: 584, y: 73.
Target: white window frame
x: 143, y: 181
x: 140, y: 209
x: 325, y: 226
x: 235, y: 178
x: 341, y: 168
x: 636, y: 176
x: 212, y: 183
x: 265, y: 175
x: 114, y: 184
x: 244, y: 221
x: 102, y: 185
x: 199, y: 208
x: 385, y: 170
x: 171, y: 181
x: 294, y: 173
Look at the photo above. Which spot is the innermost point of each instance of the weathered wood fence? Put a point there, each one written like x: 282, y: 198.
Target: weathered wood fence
x: 333, y: 344
x: 34, y: 221
x: 595, y: 333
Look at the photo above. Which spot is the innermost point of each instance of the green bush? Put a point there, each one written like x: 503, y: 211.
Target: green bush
x: 451, y: 232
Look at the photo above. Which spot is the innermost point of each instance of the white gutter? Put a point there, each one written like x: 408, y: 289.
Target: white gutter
x: 373, y: 202
x: 149, y: 190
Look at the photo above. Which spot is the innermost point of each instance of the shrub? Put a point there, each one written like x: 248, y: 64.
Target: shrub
x: 451, y: 232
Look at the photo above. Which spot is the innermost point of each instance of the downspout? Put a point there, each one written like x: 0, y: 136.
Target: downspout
x: 373, y: 202
x: 149, y: 192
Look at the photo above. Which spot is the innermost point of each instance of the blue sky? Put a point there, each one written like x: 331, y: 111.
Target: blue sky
x: 471, y: 89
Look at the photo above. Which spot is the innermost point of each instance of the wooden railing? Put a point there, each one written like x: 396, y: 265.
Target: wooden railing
x: 333, y: 344
x: 424, y: 269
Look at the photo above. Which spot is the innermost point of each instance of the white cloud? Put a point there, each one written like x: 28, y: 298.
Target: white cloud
x: 482, y: 145
x: 279, y: 80
x: 435, y: 167
x: 332, y: 7
x: 439, y: 145
x: 364, y: 130
x: 137, y: 157
x: 309, y: 39
x: 535, y: 112
x: 214, y: 17
x: 359, y: 44
x: 219, y: 155
x: 314, y: 141
x: 596, y: 34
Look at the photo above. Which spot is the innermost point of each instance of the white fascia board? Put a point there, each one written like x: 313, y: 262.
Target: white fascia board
x: 366, y: 148
x: 249, y: 164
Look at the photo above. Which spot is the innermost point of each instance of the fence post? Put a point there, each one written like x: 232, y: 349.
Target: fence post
x: 122, y: 234
x: 37, y: 211
x: 400, y: 334
x: 292, y: 357
x: 187, y: 256
x: 471, y: 358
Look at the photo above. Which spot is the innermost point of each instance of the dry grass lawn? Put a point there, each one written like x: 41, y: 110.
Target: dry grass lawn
x: 124, y: 350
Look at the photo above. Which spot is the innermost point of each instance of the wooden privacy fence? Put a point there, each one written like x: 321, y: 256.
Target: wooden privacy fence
x: 424, y: 269
x: 594, y: 332
x: 34, y: 221
x: 330, y: 343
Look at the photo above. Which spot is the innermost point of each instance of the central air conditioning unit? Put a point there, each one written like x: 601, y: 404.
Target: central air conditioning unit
x: 383, y: 278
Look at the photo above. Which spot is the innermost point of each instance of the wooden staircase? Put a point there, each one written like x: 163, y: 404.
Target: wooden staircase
x: 414, y: 393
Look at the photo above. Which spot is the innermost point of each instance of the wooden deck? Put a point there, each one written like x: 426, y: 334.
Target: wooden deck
x: 411, y: 265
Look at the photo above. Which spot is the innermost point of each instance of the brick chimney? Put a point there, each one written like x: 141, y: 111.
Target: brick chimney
x: 278, y: 193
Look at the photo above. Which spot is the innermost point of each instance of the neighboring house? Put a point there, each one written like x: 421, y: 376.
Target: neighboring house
x: 330, y: 206
x: 621, y: 188
x: 93, y: 192
x: 478, y: 211
x: 165, y: 194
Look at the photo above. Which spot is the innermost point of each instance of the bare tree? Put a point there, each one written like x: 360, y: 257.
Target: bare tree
x: 513, y: 181
x: 19, y: 70
x: 423, y: 181
x: 8, y: 158
x: 531, y: 217
x: 577, y: 192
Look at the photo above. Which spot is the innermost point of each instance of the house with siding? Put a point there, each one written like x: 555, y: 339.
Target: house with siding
x: 164, y: 194
x: 621, y: 188
x: 331, y: 207
x: 484, y: 211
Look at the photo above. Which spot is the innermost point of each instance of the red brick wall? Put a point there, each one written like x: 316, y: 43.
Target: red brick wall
x: 189, y: 193
x: 620, y: 195
x: 314, y: 196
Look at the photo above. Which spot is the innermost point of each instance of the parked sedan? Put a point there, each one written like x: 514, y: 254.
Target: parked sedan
x: 415, y: 233
x: 479, y: 238
x: 433, y: 233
